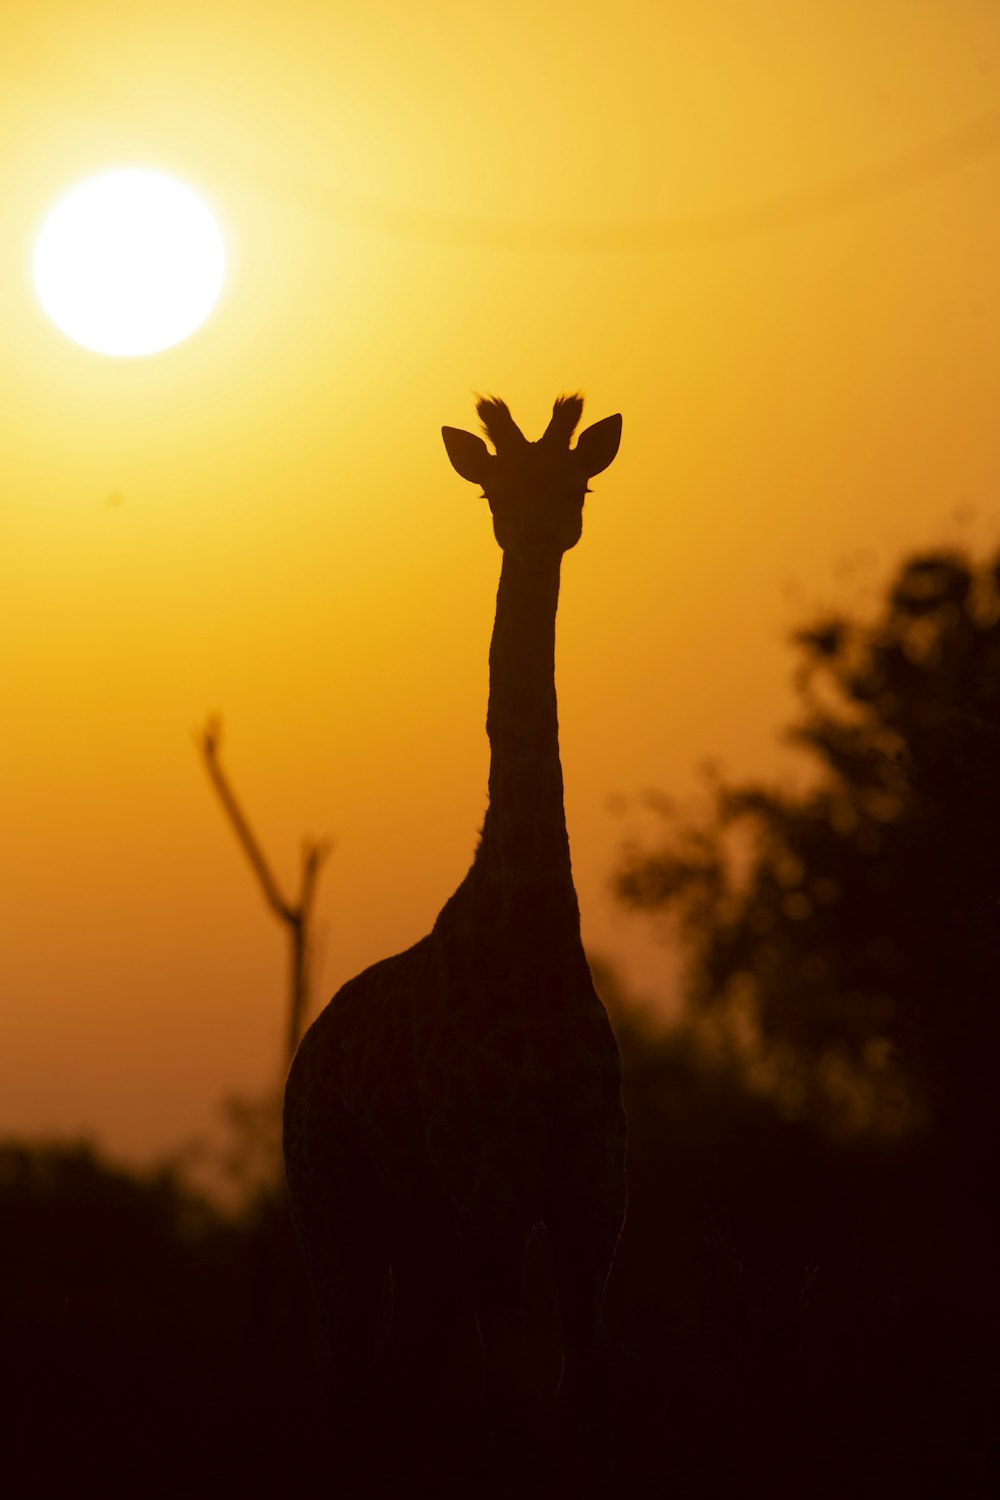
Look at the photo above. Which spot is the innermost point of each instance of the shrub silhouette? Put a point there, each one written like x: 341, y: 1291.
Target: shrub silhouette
x: 857, y: 921
x: 794, y: 1311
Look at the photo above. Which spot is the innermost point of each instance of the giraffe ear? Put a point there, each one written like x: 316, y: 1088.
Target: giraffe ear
x: 597, y: 446
x: 469, y: 454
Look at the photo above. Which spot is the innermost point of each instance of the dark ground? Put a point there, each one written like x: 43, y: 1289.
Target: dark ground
x: 789, y: 1316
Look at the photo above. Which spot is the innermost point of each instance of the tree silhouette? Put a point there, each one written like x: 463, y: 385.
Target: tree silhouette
x: 247, y: 1166
x: 855, y: 923
x: 295, y: 915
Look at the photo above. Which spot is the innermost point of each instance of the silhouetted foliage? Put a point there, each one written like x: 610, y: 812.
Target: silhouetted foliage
x: 790, y: 1315
x: 855, y: 925
x: 806, y: 1285
x: 794, y: 1311
x: 147, y: 1340
x: 238, y: 1165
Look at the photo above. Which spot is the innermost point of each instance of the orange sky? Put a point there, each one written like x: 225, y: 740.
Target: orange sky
x: 759, y: 229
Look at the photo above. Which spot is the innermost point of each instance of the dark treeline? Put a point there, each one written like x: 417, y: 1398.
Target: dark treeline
x: 805, y: 1299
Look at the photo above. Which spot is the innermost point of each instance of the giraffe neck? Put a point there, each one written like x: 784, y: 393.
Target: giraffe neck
x: 524, y: 842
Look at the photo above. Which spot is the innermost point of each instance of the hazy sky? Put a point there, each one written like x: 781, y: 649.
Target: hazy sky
x: 768, y: 233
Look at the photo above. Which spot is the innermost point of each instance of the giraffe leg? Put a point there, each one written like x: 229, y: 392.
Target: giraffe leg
x: 409, y: 1444
x: 581, y: 1273
x: 513, y: 1437
x: 339, y: 1224
x: 426, y: 1297
x: 494, y: 1255
x: 583, y: 1245
x: 344, y: 1250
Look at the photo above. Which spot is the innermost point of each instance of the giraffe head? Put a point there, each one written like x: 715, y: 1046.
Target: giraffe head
x: 535, y: 490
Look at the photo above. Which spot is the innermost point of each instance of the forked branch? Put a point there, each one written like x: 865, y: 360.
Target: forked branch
x: 295, y: 915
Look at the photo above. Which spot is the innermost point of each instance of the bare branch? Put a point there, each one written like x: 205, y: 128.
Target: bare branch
x: 296, y: 918
x: 209, y: 742
x: 314, y: 856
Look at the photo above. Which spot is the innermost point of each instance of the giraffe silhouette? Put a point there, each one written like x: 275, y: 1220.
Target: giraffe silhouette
x: 453, y: 1096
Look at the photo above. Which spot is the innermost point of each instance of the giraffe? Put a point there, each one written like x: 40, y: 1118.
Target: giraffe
x: 453, y: 1096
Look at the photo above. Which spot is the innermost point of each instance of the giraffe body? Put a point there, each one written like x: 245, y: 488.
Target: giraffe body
x: 452, y: 1096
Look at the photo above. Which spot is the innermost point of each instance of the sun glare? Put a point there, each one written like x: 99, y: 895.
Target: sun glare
x: 129, y: 263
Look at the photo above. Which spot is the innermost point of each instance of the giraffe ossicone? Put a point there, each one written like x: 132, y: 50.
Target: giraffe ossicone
x: 451, y: 1097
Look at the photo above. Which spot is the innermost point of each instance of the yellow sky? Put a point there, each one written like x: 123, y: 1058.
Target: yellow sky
x: 760, y: 230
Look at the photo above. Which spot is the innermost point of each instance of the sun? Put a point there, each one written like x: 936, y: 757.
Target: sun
x: 129, y: 262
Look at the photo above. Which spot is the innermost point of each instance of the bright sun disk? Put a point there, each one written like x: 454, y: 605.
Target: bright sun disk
x: 129, y: 263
